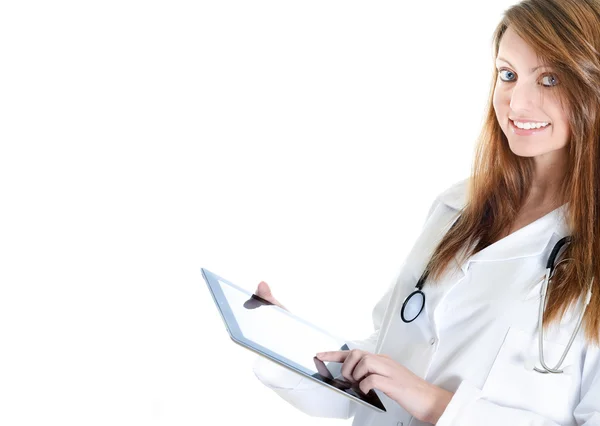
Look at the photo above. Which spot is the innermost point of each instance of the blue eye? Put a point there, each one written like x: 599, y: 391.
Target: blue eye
x: 509, y: 74
x: 552, y: 79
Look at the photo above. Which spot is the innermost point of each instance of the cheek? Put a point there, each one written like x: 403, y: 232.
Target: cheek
x: 495, y: 98
x: 564, y: 133
x: 500, y: 108
x: 562, y: 129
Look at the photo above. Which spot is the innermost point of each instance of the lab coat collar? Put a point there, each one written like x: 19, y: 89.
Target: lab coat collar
x: 531, y: 240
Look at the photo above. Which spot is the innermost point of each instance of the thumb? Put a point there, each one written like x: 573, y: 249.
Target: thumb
x: 264, y: 291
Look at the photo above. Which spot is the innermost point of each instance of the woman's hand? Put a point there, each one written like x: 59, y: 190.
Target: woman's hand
x: 423, y: 400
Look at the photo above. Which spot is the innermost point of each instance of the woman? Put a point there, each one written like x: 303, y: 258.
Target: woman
x: 472, y: 355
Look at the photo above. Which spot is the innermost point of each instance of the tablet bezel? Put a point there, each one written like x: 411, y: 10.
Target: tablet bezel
x: 371, y: 399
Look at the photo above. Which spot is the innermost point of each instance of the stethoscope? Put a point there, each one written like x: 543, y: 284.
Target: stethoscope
x: 415, y: 302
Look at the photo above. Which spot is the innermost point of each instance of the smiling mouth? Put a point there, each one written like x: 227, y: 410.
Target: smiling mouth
x: 532, y: 128
x: 525, y: 132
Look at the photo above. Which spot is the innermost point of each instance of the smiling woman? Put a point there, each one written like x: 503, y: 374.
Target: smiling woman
x: 527, y: 104
x: 481, y: 350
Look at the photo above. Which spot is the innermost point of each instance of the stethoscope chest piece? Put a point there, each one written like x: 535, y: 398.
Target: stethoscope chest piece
x: 412, y: 306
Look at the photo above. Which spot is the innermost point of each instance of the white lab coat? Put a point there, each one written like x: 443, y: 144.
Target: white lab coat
x: 478, y: 325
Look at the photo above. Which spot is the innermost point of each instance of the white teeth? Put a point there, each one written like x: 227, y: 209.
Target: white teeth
x: 528, y: 126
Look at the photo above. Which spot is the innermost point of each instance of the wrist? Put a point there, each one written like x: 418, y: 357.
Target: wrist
x: 440, y: 398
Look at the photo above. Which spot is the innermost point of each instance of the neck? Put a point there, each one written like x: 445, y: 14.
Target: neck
x: 548, y: 176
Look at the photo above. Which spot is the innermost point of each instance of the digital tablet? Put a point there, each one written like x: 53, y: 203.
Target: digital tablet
x: 275, y: 333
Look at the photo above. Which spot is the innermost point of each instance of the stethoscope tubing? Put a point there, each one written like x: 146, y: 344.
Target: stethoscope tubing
x: 550, y: 268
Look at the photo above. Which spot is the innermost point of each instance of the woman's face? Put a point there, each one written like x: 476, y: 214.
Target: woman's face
x: 529, y: 98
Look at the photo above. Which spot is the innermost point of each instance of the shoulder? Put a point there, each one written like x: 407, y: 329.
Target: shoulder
x: 455, y: 196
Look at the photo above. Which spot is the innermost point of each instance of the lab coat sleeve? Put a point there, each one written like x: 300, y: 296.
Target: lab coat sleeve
x: 468, y: 406
x: 309, y: 396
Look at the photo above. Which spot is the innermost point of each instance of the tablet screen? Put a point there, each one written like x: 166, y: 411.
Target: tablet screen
x: 268, y: 326
x: 281, y: 336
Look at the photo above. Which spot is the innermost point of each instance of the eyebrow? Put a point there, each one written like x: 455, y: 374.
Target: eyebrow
x: 531, y: 70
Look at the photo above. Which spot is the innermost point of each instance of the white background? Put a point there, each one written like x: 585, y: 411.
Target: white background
x: 300, y: 143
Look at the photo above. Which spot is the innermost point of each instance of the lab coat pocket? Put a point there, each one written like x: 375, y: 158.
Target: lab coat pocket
x: 511, y: 384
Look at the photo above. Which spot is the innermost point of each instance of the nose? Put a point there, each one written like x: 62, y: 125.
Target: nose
x: 523, y: 97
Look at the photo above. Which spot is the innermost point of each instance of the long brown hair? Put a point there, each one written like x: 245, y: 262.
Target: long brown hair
x: 565, y: 34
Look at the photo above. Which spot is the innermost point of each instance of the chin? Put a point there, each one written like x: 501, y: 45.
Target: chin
x: 525, y: 149
x: 526, y: 154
